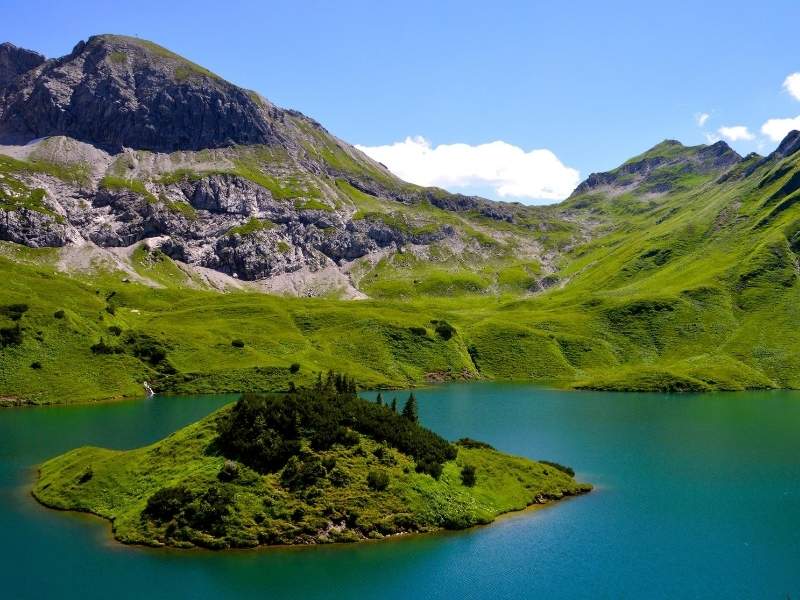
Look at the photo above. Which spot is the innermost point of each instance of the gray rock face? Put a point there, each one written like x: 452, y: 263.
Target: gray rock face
x: 16, y: 61
x: 648, y: 171
x: 114, y: 91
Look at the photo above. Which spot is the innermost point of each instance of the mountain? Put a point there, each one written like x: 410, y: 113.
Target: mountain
x: 678, y: 270
x: 123, y: 140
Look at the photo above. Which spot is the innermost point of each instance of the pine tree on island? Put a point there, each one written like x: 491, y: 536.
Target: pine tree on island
x: 410, y: 409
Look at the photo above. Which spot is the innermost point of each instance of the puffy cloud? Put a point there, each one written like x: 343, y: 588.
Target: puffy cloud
x: 776, y: 129
x: 736, y: 133
x: 509, y: 170
x: 701, y: 118
x: 792, y: 85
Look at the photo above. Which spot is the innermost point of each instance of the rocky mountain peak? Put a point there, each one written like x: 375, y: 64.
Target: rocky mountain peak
x: 117, y: 91
x: 15, y: 61
x: 788, y: 146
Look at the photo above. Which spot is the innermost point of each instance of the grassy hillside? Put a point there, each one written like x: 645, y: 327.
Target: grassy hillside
x: 345, y: 478
x: 672, y: 278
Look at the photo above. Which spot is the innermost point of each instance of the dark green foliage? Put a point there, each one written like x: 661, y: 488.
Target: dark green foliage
x: 36, y: 365
x: 237, y: 344
x: 338, y: 477
x: 432, y: 468
x: 229, y: 471
x: 207, y: 511
x: 167, y: 502
x: 410, y: 409
x: 263, y: 431
x: 444, y: 330
x: 86, y: 476
x: 294, y: 368
x: 302, y: 472
x: 10, y: 336
x: 394, y: 405
x: 115, y: 330
x: 14, y: 311
x: 378, y: 480
x: 147, y: 349
x: 59, y: 314
x: 568, y: 470
x: 470, y: 443
x: 102, y: 347
x: 418, y: 330
x: 379, y: 399
x: 468, y: 475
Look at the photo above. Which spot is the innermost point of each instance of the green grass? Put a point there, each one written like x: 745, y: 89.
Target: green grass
x: 252, y: 226
x: 117, y: 484
x: 115, y: 183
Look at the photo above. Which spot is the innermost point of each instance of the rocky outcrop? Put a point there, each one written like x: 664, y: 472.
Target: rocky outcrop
x: 16, y: 61
x: 115, y: 91
x: 656, y: 170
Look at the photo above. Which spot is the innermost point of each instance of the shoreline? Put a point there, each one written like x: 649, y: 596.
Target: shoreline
x: 113, y: 541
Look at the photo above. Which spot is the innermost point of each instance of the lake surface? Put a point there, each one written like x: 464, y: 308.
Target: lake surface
x: 698, y: 496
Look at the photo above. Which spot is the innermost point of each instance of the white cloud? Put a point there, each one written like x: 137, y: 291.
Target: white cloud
x: 736, y: 133
x: 792, y: 85
x: 508, y: 169
x: 776, y: 129
x: 701, y: 118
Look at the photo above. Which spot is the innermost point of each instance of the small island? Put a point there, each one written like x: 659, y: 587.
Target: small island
x: 310, y: 466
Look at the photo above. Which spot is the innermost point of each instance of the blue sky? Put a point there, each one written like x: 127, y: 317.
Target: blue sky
x: 589, y: 85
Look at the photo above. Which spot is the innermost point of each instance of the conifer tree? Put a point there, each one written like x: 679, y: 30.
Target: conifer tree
x: 379, y: 399
x: 410, y: 409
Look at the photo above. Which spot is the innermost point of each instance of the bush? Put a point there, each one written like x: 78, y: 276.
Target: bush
x: 36, y: 365
x: 568, y: 470
x: 207, y: 511
x: 59, y: 314
x: 10, y: 336
x: 434, y: 469
x: 470, y: 443
x: 338, y: 477
x: 167, y: 502
x: 294, y: 368
x: 418, y: 331
x: 378, y: 480
x: 102, y: 348
x: 229, y: 471
x: 115, y: 330
x: 444, y: 329
x: 468, y: 475
x: 302, y: 473
x: 14, y: 311
x: 237, y: 344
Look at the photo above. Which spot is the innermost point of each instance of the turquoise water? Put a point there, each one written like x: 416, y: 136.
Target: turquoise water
x: 698, y: 496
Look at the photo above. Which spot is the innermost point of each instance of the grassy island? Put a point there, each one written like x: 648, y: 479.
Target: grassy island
x: 313, y: 465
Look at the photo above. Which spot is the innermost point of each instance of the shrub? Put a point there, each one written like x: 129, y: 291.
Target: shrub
x: 444, y: 329
x: 229, y: 471
x: 302, y: 473
x: 115, y: 330
x: 207, y: 511
x: 470, y: 443
x: 378, y: 480
x: 338, y: 477
x: 167, y: 502
x: 102, y: 348
x: 237, y: 343
x: 468, y: 475
x: 568, y: 470
x: 294, y: 368
x: 86, y: 476
x: 36, y: 365
x: 10, y: 336
x: 14, y: 311
x: 418, y: 331
x: 432, y: 468
x: 59, y: 314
